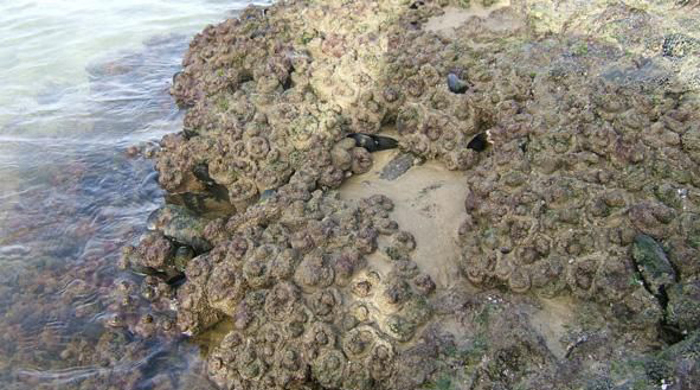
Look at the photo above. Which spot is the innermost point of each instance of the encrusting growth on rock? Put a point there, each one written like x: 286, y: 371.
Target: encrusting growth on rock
x: 580, y: 155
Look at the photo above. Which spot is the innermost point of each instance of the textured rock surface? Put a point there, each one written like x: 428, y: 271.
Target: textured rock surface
x: 577, y: 132
x: 302, y: 297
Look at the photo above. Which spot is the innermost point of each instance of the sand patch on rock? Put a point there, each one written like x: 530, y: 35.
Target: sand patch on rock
x: 551, y: 321
x: 454, y: 17
x: 428, y: 203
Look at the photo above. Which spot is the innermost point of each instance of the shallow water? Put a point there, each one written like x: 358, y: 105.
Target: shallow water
x: 81, y: 81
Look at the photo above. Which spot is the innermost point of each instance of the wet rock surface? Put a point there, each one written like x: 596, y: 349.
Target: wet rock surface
x: 576, y: 134
x: 397, y: 166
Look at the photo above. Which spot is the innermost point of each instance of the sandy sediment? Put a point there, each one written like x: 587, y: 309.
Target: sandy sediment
x: 424, y: 204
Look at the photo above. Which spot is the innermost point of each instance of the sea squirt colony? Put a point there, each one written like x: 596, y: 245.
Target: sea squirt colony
x: 581, y: 163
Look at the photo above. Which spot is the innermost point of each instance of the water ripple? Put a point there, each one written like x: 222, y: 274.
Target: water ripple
x: 70, y: 197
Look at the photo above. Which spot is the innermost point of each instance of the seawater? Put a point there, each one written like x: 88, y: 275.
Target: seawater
x: 80, y: 81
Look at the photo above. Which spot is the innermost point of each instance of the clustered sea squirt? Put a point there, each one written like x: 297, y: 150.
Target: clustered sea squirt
x: 588, y: 188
